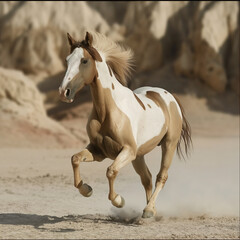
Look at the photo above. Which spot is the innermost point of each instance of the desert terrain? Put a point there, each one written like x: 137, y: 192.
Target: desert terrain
x: 188, y: 48
x: 200, y: 199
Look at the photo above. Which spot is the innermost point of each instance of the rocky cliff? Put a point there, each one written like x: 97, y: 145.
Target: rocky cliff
x: 23, y: 117
x: 199, y: 38
x: 197, y: 42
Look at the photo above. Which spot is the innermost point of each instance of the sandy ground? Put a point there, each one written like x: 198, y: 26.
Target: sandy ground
x: 200, y: 198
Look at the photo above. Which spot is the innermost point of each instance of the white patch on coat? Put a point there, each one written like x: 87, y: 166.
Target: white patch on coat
x: 166, y: 96
x: 145, y: 124
x: 73, y: 62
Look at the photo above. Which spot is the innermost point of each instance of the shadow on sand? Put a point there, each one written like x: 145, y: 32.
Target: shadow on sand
x: 38, y: 221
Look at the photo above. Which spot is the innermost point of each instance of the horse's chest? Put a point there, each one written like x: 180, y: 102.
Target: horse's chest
x: 105, y: 137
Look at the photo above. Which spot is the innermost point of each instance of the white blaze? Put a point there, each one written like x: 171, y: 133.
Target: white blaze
x: 73, y: 62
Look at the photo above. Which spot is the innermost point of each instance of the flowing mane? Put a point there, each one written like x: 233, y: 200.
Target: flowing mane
x: 119, y: 59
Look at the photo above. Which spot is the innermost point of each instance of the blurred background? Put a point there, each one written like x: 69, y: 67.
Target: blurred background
x: 189, y: 48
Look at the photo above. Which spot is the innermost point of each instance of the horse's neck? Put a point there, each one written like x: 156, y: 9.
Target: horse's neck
x: 101, y: 90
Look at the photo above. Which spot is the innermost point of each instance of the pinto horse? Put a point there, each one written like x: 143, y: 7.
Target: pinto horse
x: 124, y: 125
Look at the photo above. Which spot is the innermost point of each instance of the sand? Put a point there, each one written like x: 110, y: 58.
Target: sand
x: 200, y: 198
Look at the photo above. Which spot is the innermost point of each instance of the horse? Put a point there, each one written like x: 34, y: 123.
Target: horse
x: 124, y: 125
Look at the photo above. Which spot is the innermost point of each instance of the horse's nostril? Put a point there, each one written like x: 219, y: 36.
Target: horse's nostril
x: 67, y: 92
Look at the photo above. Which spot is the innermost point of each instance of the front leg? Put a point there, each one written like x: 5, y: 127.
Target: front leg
x: 124, y: 157
x: 87, y: 155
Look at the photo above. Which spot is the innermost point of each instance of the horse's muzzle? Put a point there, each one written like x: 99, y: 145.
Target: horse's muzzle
x: 65, y: 95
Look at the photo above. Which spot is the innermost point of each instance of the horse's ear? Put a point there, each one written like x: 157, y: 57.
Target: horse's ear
x: 70, y: 39
x: 95, y: 54
x: 89, y: 38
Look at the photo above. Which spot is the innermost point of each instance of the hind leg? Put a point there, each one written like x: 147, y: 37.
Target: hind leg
x: 145, y: 175
x: 168, y: 150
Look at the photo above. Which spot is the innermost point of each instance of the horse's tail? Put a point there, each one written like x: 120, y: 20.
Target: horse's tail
x: 185, y: 134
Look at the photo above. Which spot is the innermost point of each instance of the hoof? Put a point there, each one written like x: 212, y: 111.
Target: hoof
x: 118, y: 201
x: 85, y: 190
x: 148, y: 214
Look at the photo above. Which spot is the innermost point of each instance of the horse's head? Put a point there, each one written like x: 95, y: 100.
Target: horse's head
x: 81, y: 67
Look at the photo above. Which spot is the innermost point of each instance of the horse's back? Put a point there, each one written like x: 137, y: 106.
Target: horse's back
x: 165, y: 95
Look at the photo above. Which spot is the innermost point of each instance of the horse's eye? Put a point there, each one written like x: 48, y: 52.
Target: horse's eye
x: 84, y: 61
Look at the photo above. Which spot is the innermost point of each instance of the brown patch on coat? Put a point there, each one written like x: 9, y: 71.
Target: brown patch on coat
x: 149, y: 106
x: 185, y: 133
x: 157, y: 140
x: 157, y: 99
x: 175, y: 126
x: 98, y: 101
x: 88, y: 71
x: 104, y: 129
x: 165, y: 92
x: 113, y: 86
x: 139, y: 101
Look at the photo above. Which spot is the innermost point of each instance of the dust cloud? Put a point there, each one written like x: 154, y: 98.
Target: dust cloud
x: 205, y: 184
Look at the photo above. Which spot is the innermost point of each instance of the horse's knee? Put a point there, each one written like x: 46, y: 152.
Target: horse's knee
x: 79, y: 157
x: 162, y: 178
x: 111, y: 172
x: 75, y: 160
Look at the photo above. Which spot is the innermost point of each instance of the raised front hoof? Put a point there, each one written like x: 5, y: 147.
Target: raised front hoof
x: 85, y: 190
x: 118, y: 201
x: 148, y: 214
